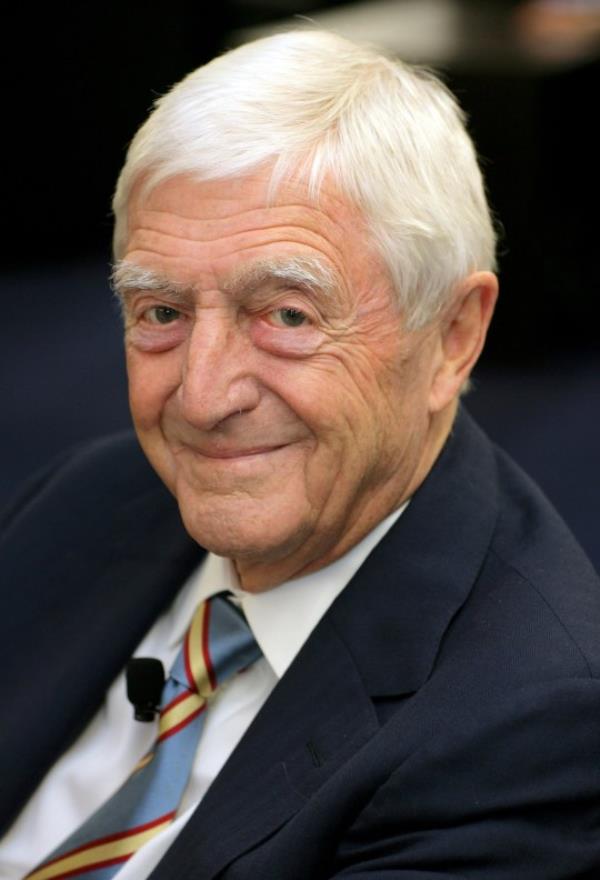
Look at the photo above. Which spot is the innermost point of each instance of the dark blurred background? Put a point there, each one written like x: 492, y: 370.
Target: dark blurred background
x: 78, y: 81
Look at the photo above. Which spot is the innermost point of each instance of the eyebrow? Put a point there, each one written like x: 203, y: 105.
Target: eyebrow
x: 305, y: 272
x: 126, y: 277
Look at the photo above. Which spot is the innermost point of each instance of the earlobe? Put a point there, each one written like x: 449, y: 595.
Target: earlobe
x: 462, y: 333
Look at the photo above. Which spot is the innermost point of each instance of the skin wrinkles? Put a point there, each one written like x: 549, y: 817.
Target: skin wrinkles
x: 284, y: 445
x: 260, y: 221
x: 147, y: 240
x: 196, y: 253
x: 217, y: 219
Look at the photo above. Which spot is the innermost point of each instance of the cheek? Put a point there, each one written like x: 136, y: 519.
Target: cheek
x: 352, y: 395
x: 152, y: 381
x: 368, y: 406
x: 338, y: 410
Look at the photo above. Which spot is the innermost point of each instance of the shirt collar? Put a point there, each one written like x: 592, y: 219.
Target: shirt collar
x: 282, y: 618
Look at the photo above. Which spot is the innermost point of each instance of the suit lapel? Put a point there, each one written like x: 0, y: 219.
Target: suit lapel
x: 374, y: 648
x: 397, y: 608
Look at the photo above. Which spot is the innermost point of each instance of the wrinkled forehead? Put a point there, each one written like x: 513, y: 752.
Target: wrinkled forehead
x: 238, y: 224
x: 207, y: 210
x: 257, y: 189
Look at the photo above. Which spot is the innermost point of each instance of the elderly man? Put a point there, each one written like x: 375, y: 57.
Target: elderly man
x: 304, y: 258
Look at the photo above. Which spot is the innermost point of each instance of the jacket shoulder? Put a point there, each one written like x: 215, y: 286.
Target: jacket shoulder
x: 112, y: 468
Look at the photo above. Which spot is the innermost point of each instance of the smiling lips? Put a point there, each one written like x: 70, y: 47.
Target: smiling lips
x: 225, y: 454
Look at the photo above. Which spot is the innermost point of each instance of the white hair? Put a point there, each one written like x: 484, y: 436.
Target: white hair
x: 313, y: 105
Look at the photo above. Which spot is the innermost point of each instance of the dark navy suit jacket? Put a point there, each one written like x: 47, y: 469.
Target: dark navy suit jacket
x: 442, y: 721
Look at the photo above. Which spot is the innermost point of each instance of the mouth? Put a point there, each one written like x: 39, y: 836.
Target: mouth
x: 253, y: 452
x: 232, y: 454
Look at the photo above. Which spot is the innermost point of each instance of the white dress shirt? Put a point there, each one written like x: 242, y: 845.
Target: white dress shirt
x: 102, y: 757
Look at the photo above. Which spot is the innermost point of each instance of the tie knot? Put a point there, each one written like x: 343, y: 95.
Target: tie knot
x: 218, y: 644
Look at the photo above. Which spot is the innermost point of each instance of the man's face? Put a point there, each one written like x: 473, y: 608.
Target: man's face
x: 272, y: 384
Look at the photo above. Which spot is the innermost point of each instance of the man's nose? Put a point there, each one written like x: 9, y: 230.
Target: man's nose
x: 217, y: 380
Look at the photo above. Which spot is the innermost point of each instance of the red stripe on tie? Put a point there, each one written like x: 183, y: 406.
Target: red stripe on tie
x: 100, y: 841
x: 205, y: 650
x: 181, y: 724
x: 76, y: 872
x: 186, y: 663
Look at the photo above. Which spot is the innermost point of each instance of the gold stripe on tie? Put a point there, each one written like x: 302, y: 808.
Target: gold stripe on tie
x: 179, y: 713
x: 99, y: 853
x: 197, y: 659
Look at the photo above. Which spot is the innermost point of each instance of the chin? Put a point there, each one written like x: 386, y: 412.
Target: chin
x: 244, y: 533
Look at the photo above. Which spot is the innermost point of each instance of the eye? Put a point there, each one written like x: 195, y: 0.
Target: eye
x: 288, y: 317
x: 162, y: 315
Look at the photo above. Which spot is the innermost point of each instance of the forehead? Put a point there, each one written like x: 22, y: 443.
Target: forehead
x: 186, y: 226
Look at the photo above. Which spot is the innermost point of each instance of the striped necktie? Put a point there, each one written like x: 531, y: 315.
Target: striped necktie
x: 217, y: 645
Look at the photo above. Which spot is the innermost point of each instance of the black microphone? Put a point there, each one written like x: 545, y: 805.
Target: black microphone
x: 145, y: 679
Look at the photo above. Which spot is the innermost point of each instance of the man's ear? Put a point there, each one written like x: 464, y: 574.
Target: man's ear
x: 462, y: 332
